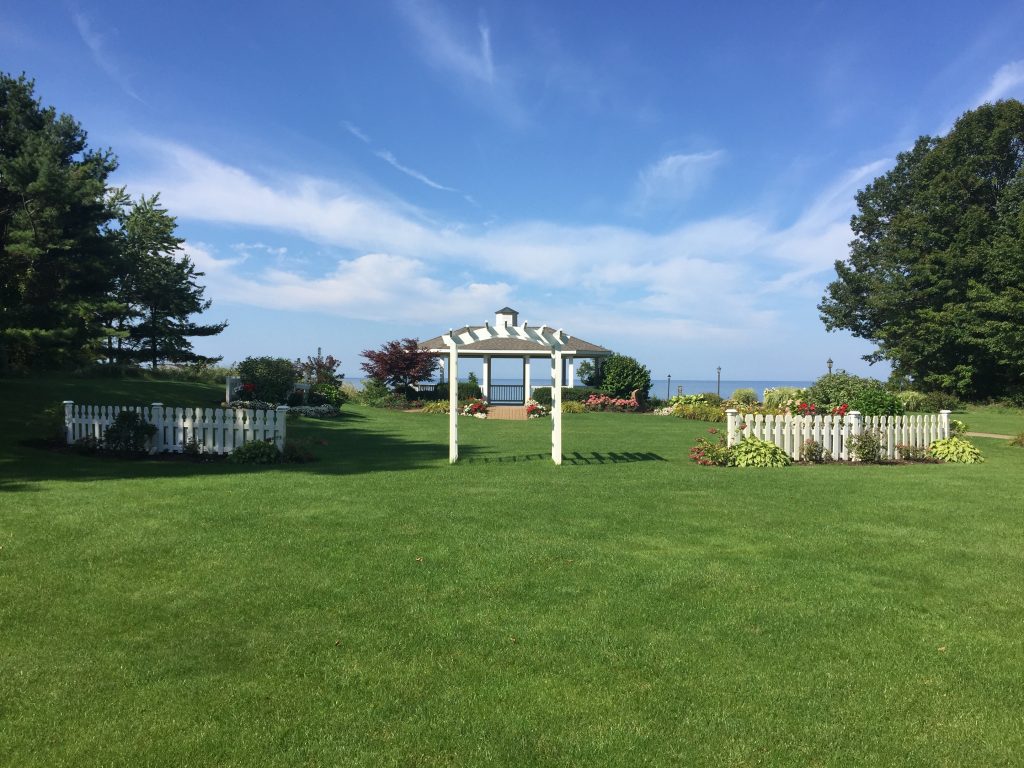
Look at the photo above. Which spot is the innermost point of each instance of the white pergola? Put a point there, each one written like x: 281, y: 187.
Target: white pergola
x: 507, y: 339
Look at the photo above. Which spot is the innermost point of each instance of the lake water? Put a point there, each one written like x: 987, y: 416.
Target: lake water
x: 661, y: 387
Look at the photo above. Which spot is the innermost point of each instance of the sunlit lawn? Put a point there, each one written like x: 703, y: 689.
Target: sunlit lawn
x: 380, y: 607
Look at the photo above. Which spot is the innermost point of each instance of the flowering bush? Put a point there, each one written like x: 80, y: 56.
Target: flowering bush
x: 709, y: 454
x: 535, y: 410
x: 606, y: 403
x: 476, y: 408
x: 841, y: 410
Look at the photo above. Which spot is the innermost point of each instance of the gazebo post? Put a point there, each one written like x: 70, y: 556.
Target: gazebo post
x: 556, y: 406
x: 486, y: 388
x: 453, y: 401
x: 526, y: 378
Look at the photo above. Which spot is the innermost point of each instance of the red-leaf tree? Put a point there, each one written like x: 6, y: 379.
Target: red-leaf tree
x: 399, y: 363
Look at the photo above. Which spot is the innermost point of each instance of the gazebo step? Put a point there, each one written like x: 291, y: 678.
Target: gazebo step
x: 507, y: 412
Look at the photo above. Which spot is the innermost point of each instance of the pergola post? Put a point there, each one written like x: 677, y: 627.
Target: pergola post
x: 556, y: 406
x: 526, y: 378
x: 453, y: 402
x: 487, y: 378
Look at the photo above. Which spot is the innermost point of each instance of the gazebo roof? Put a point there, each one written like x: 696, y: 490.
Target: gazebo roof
x: 490, y: 343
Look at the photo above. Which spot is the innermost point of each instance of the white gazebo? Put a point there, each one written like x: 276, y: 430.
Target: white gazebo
x: 507, y: 339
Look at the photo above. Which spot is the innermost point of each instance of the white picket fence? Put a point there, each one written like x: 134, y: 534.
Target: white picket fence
x: 790, y: 432
x: 215, y: 430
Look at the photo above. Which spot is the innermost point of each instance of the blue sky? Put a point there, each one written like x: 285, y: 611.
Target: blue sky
x: 670, y: 180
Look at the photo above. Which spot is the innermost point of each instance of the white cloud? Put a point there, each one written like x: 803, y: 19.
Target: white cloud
x: 1008, y: 80
x: 713, y: 278
x: 376, y: 286
x: 97, y: 45
x: 675, y: 178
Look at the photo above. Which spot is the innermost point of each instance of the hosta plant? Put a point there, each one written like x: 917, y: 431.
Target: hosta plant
x: 754, y: 452
x: 955, y: 450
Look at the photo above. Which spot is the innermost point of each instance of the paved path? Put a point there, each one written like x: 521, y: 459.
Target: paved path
x: 989, y: 434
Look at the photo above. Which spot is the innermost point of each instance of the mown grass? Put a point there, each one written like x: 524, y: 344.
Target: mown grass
x: 993, y: 419
x: 380, y: 607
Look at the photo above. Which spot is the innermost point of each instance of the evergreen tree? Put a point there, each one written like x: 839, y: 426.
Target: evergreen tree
x: 57, y: 261
x: 156, y: 292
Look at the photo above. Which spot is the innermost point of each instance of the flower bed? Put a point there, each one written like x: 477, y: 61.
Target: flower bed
x: 535, y: 410
x: 476, y: 407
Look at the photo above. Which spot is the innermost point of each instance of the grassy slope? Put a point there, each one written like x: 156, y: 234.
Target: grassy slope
x: 381, y: 607
x: 994, y: 419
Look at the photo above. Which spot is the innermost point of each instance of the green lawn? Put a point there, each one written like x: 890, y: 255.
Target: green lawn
x: 383, y: 608
x: 994, y: 419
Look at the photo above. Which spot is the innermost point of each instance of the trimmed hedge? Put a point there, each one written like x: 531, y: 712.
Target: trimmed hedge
x: 569, y: 394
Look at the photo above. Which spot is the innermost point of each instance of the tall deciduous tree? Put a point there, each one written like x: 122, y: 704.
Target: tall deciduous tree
x: 399, y: 363
x: 156, y: 289
x: 935, y: 275
x: 57, y: 261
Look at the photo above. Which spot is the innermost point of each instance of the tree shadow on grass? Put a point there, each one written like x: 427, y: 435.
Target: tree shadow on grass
x: 342, y: 447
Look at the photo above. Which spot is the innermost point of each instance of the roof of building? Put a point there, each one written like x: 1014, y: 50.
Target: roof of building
x: 506, y: 311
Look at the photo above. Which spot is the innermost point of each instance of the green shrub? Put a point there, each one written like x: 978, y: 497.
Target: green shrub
x: 256, y: 452
x: 955, y: 450
x: 272, y: 377
x: 711, y: 397
x: 776, y: 397
x: 699, y: 412
x: 912, y: 453
x: 867, y: 446
x: 957, y: 428
x: 377, y: 395
x: 622, y: 374
x: 469, y: 390
x: 933, y: 402
x: 573, y: 406
x: 744, y: 396
x: 128, y: 433
x: 328, y: 393
x: 875, y: 401
x: 437, y: 406
x: 913, y: 401
x: 754, y: 452
x: 1018, y: 440
x: 814, y: 452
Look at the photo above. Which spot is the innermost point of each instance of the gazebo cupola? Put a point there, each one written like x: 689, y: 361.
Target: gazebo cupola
x: 505, y: 317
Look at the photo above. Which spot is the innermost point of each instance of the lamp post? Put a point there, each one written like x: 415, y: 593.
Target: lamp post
x: 718, y: 389
x: 668, y: 387
x: 829, y: 364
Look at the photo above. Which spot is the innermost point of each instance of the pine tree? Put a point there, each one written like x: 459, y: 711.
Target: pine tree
x: 57, y: 262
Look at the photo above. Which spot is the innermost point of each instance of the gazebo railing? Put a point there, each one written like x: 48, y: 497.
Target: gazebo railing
x: 506, y: 394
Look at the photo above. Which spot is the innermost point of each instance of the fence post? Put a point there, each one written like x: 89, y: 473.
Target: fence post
x: 944, y: 423
x: 158, y: 422
x: 731, y: 424
x: 69, y: 406
x: 282, y: 420
x: 856, y: 428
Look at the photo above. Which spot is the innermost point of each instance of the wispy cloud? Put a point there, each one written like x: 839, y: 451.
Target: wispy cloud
x: 97, y: 45
x: 1007, y: 81
x: 675, y: 178
x: 391, y: 160
x: 356, y: 131
x: 467, y: 56
x: 389, y: 157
